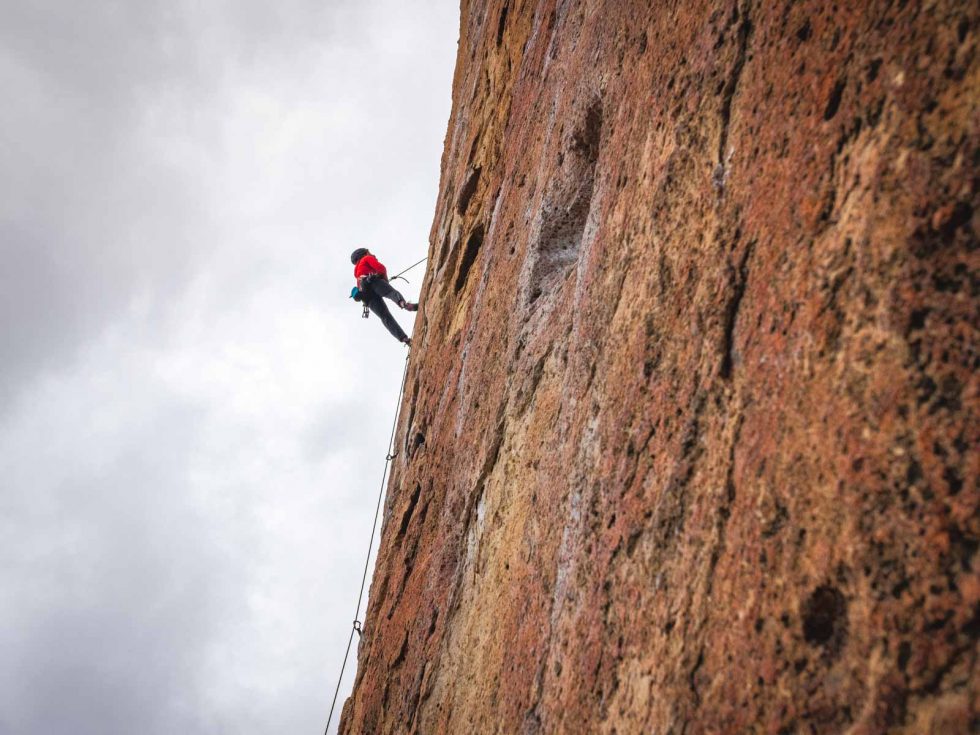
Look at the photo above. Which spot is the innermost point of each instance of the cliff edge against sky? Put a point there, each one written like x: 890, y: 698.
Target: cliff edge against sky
x: 688, y: 442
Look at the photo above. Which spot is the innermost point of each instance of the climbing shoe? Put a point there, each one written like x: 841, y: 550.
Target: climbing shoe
x: 409, y: 306
x: 407, y: 341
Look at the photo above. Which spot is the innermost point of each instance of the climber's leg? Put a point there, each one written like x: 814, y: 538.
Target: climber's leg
x: 377, y: 305
x: 383, y: 288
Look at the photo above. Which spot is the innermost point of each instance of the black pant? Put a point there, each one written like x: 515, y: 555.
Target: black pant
x: 376, y: 290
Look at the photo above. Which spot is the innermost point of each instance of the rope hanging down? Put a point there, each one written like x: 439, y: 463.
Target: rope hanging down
x: 356, y: 628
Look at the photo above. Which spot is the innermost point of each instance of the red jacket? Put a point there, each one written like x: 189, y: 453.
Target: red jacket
x: 369, y: 265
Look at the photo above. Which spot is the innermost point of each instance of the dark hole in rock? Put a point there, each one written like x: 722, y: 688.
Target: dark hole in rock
x: 953, y: 480
x: 917, y: 319
x: 502, y: 25
x: 873, y: 68
x: 407, y: 517
x: 474, y: 147
x: 472, y: 249
x: 914, y: 473
x: 468, y: 190
x: 904, y: 654
x: 833, y: 104
x: 835, y: 41
x: 432, y: 623
x: 825, y: 618
x: 960, y: 216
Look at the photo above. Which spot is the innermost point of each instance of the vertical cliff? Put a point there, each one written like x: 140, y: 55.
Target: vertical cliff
x: 689, y: 441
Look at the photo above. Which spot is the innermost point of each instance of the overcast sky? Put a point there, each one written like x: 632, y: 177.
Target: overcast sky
x: 193, y: 416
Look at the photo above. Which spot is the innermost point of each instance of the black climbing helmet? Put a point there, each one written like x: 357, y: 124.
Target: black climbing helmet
x: 357, y: 255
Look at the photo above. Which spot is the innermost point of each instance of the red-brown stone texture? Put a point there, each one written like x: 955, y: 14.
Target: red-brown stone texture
x: 689, y: 438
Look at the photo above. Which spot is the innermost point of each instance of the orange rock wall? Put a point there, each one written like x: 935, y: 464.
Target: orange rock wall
x: 689, y: 441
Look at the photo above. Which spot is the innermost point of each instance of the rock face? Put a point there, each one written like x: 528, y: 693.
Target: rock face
x: 689, y: 440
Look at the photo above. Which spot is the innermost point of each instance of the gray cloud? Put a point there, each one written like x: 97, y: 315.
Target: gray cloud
x: 84, y: 206
x: 193, y: 417
x: 113, y: 585
x: 93, y: 177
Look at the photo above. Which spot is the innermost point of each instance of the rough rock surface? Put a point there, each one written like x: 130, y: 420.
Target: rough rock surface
x: 689, y: 441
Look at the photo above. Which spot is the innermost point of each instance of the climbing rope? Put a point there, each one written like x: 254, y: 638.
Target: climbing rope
x: 399, y: 275
x: 357, y: 626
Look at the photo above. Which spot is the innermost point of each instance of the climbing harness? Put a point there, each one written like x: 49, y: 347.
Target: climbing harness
x: 357, y: 626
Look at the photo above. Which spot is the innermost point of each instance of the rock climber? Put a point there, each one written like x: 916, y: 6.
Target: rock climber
x: 373, y: 288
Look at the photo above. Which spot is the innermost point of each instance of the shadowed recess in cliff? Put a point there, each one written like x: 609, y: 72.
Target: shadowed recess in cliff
x: 470, y: 252
x: 468, y: 190
x: 567, y: 207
